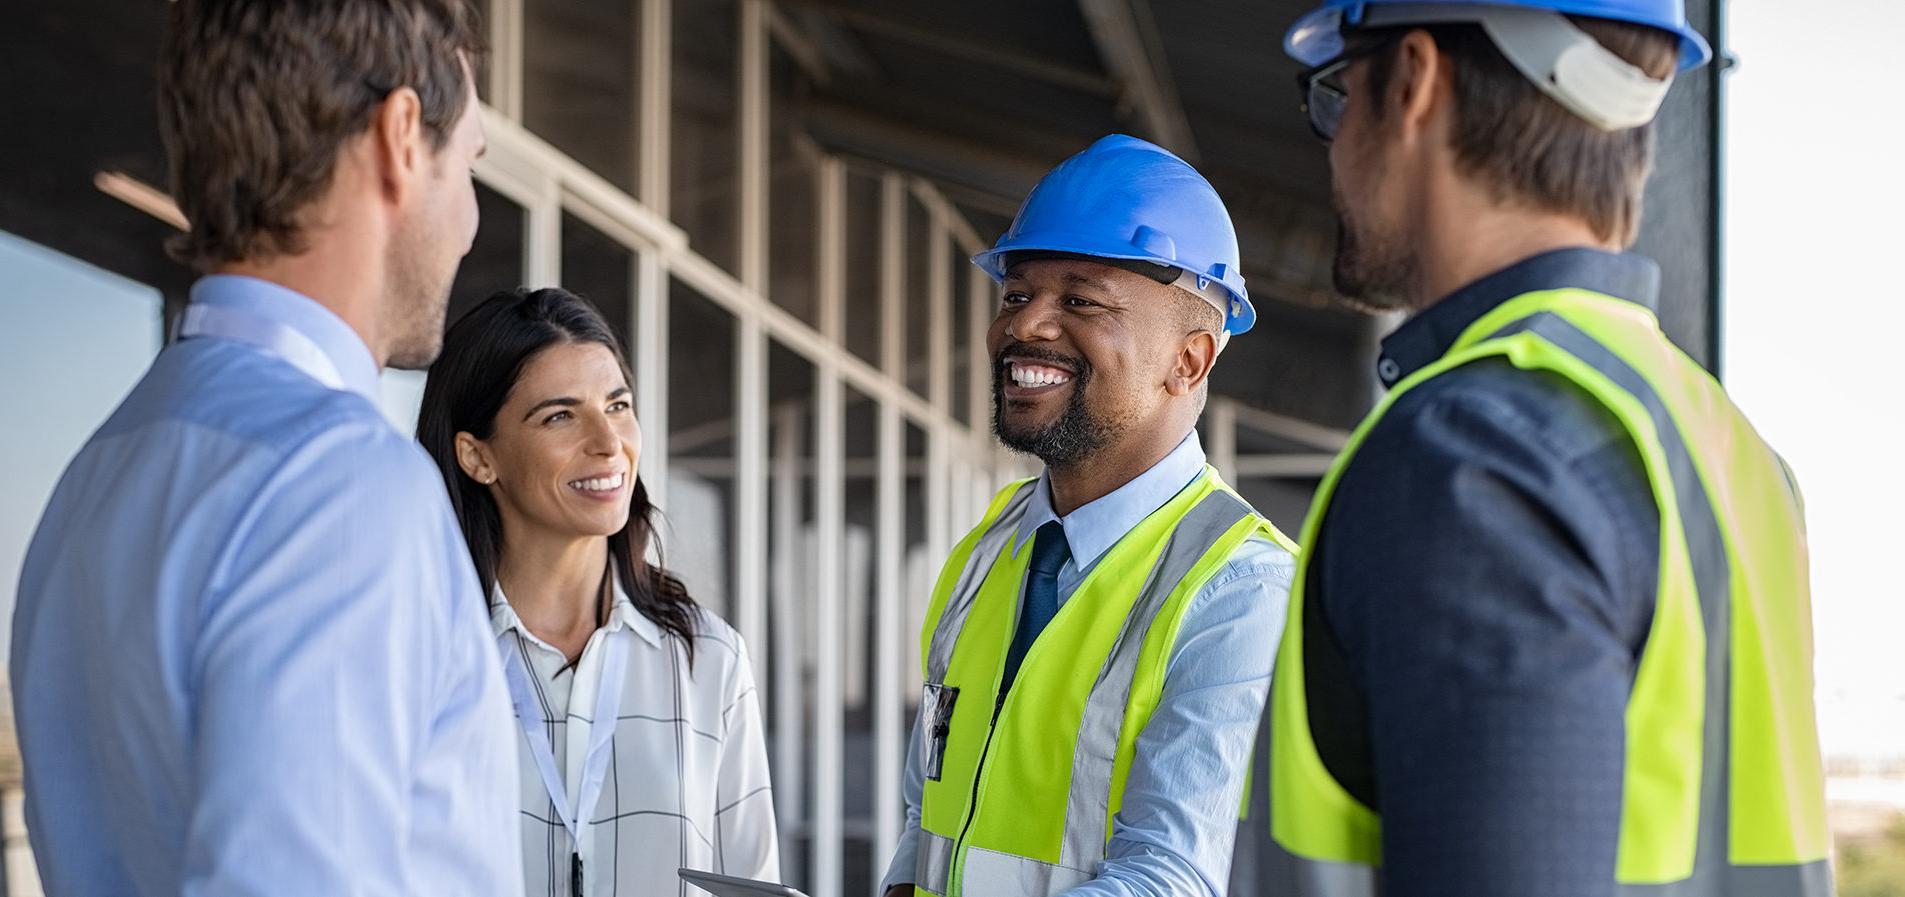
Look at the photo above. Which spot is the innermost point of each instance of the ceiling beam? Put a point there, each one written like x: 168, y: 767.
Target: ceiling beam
x: 986, y: 201
x: 943, y: 156
x: 1126, y: 39
x: 1286, y: 250
x: 952, y: 45
x: 799, y: 46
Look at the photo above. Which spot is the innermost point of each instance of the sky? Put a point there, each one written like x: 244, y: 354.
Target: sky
x: 1814, y: 310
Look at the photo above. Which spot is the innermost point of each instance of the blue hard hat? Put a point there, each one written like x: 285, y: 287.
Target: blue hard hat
x: 1126, y: 199
x: 1317, y: 38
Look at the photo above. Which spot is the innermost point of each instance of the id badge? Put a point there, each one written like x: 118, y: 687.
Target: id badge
x: 938, y: 707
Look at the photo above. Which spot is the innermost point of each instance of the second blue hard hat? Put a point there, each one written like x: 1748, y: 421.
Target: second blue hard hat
x: 1317, y: 37
x: 1130, y: 200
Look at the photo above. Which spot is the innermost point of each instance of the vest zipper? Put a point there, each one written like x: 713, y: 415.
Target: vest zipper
x: 972, y: 801
x: 979, y: 769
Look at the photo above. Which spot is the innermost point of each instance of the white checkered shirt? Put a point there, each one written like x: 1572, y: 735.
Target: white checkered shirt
x: 687, y: 785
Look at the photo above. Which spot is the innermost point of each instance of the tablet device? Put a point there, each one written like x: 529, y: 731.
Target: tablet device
x: 729, y: 886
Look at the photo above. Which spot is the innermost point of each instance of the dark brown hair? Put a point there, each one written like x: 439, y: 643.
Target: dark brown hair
x: 1528, y: 148
x: 256, y: 97
x: 484, y: 354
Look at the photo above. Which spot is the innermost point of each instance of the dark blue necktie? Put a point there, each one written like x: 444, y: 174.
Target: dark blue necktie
x: 1050, y: 551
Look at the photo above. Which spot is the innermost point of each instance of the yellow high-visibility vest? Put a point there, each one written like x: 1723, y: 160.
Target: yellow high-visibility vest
x: 1019, y: 794
x: 1723, y: 791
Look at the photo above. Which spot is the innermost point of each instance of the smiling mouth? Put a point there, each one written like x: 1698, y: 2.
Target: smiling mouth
x: 1030, y: 375
x: 599, y: 485
x: 1035, y: 378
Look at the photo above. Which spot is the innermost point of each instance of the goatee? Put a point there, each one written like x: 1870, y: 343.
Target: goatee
x: 1077, y: 433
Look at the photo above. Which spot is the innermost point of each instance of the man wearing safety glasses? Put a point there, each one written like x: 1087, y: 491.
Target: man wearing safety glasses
x: 1550, y: 633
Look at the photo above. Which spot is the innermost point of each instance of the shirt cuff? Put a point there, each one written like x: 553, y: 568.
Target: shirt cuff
x: 900, y: 871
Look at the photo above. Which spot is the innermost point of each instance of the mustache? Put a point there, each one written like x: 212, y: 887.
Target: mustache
x: 1036, y: 353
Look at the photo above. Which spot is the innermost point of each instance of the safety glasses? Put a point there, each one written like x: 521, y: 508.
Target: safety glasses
x: 1324, y: 96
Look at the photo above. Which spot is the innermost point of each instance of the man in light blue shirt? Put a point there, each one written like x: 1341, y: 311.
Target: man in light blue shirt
x: 1119, y: 290
x: 250, y: 656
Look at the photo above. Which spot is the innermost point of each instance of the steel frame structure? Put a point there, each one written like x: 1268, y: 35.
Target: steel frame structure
x: 962, y: 464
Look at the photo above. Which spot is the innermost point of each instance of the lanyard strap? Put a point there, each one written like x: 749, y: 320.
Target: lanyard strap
x: 298, y: 350
x: 608, y: 702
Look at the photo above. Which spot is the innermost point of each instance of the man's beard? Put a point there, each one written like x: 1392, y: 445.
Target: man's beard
x: 1372, y: 272
x: 1077, y: 433
x: 417, y: 300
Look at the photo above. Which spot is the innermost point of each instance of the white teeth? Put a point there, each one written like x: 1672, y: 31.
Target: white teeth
x: 599, y: 484
x: 1038, y: 375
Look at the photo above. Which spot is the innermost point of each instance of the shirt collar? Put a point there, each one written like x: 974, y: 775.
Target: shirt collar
x: 622, y: 615
x: 301, y: 313
x: 1094, y: 528
x: 1427, y: 336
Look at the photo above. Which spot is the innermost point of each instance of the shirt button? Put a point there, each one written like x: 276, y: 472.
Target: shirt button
x: 1389, y: 371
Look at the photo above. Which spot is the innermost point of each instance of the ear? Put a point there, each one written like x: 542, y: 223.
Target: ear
x: 473, y: 455
x: 1421, y: 87
x: 399, y: 141
x: 1195, y: 358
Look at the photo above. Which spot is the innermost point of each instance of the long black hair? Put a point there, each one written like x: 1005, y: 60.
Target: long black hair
x: 484, y: 354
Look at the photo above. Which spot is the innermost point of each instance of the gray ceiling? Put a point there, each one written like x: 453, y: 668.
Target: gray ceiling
x: 980, y: 96
x: 985, y: 96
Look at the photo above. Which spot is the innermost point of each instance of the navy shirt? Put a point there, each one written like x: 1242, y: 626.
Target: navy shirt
x: 1482, y: 587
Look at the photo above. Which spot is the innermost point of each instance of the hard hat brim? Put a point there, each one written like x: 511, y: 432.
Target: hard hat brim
x: 993, y: 262
x: 1316, y: 38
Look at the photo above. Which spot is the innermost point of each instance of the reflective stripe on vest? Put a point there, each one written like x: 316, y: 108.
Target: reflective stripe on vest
x: 952, y: 620
x: 995, y: 872
x: 1659, y: 775
x: 933, y: 869
x: 988, y: 870
x: 1713, y: 875
x: 1294, y: 875
x: 1706, y: 553
x: 1087, y: 808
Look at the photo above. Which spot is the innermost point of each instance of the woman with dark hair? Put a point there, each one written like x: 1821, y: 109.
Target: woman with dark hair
x: 641, y: 739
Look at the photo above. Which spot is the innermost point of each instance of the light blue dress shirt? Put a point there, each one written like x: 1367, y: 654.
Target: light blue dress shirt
x: 1175, y: 831
x: 250, y: 655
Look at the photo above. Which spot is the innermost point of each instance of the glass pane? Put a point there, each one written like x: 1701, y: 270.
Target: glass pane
x: 84, y: 336
x: 602, y: 271
x: 986, y: 297
x: 495, y: 261
x: 1252, y: 441
x: 785, y: 670
x: 918, y: 566
x: 793, y: 170
x: 697, y: 527
x: 580, y: 65
x: 704, y: 186
x: 916, y: 301
x: 959, y: 274
x: 863, y: 266
x: 858, y: 571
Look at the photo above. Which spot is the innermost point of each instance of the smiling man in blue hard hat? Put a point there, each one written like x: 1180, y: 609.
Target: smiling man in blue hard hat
x: 1551, y: 632
x: 1097, y: 651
